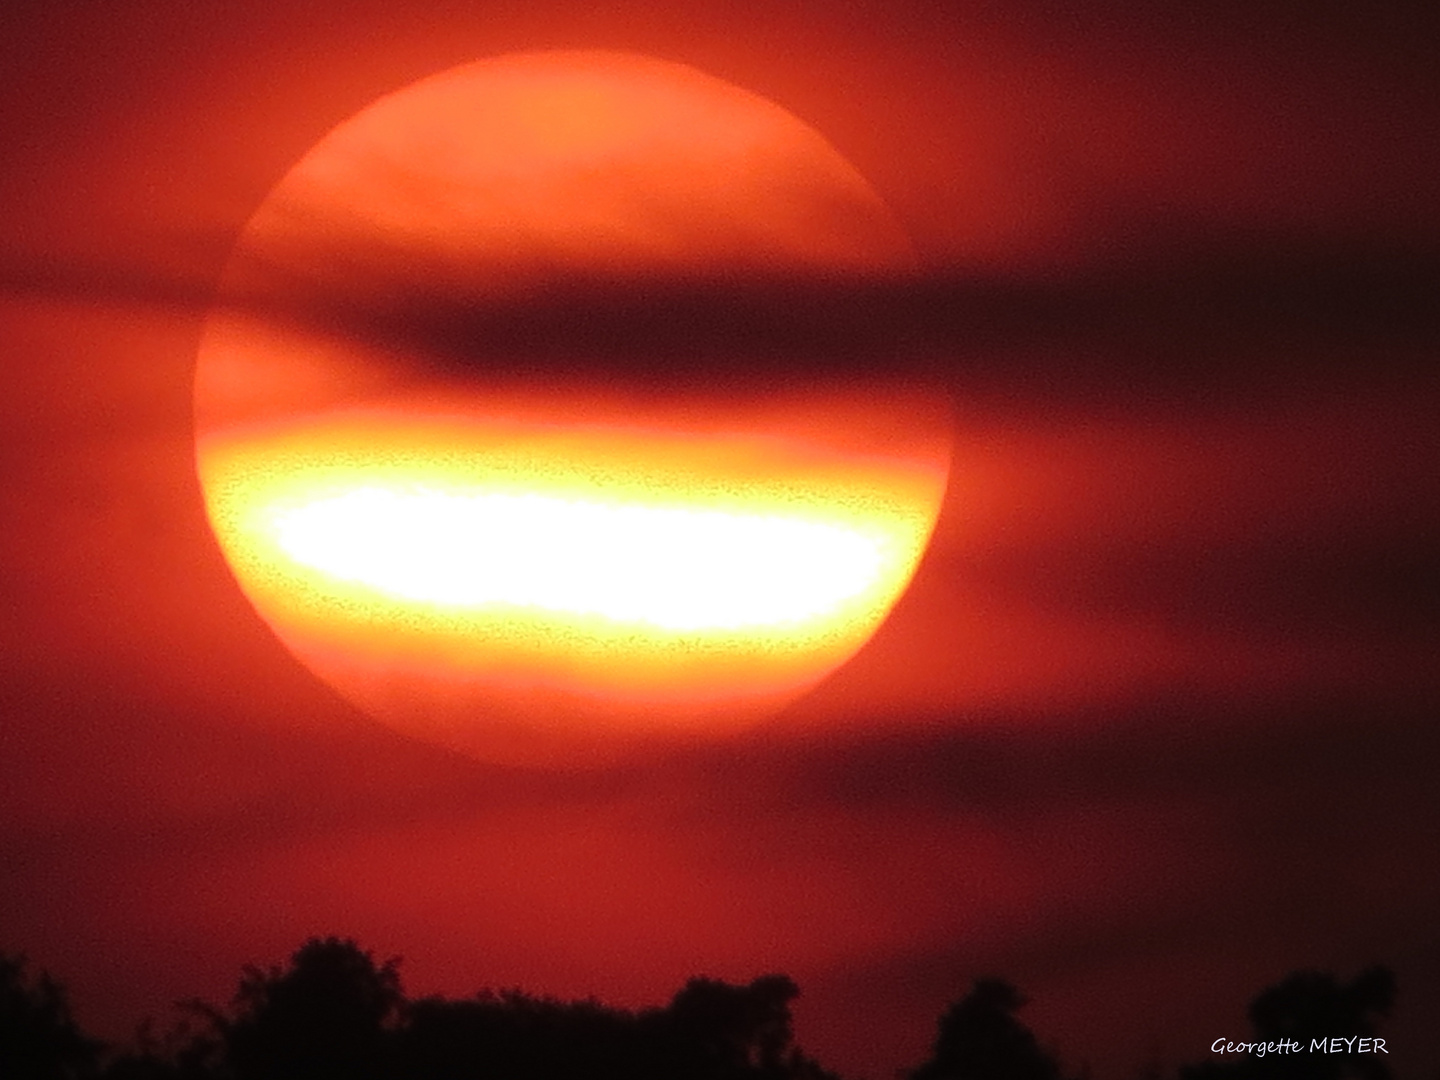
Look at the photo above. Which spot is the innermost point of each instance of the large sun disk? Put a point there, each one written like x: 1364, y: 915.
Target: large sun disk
x: 557, y: 563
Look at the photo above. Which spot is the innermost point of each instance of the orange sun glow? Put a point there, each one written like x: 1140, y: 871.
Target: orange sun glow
x: 554, y: 571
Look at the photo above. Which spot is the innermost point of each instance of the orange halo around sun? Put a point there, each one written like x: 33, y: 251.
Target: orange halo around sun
x: 550, y: 572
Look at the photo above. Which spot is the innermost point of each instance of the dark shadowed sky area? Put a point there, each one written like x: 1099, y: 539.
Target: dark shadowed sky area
x: 1155, y: 723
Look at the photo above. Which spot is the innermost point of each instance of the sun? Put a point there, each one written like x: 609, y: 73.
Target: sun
x: 563, y: 564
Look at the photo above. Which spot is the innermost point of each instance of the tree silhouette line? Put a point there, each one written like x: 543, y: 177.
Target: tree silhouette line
x: 334, y: 1013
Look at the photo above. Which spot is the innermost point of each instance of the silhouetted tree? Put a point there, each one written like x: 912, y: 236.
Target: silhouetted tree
x: 980, y: 1039
x: 326, y: 1017
x: 333, y: 1013
x: 187, y: 1051
x: 711, y: 1030
x: 1310, y: 1005
x: 734, y: 1029
x: 39, y: 1039
x: 513, y: 1036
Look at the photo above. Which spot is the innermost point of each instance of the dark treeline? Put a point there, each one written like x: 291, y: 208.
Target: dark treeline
x: 334, y: 1013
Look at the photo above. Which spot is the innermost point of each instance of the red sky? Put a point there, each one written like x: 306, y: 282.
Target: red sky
x: 1154, y: 725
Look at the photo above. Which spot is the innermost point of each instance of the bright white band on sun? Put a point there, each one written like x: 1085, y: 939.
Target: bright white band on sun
x: 673, y: 568
x: 653, y: 569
